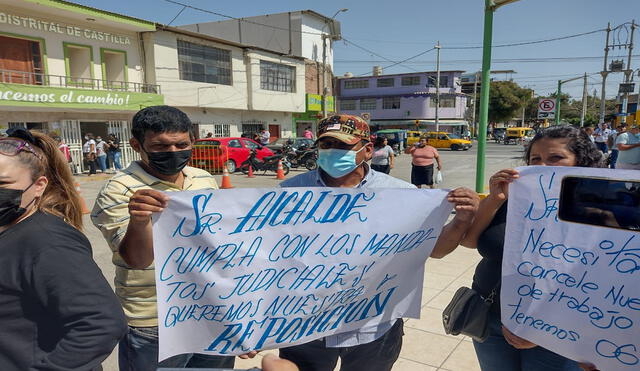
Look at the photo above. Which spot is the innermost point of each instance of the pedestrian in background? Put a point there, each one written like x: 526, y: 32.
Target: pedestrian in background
x: 58, y: 312
x: 589, y: 131
x: 89, y: 153
x: 308, y: 133
x: 423, y: 157
x: 502, y: 350
x: 343, y: 151
x: 101, y: 154
x: 265, y: 137
x: 113, y: 153
x: 628, y: 143
x: 611, y: 143
x: 601, y: 136
x: 383, y: 157
x: 163, y: 136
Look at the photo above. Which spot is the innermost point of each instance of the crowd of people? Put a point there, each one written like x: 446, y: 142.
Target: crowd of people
x: 621, y: 146
x: 98, y: 153
x: 59, y: 313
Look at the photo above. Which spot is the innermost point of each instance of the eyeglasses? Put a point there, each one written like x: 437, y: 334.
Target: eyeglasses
x: 12, y: 146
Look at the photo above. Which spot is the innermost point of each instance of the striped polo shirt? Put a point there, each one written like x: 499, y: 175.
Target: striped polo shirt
x: 136, y: 288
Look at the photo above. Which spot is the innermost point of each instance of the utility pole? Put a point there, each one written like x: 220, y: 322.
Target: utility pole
x: 627, y: 74
x: 584, y: 101
x: 438, y: 87
x: 324, y: 72
x: 604, y: 74
x: 475, y: 93
x: 324, y: 58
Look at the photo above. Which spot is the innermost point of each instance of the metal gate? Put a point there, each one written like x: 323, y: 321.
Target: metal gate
x: 122, y: 130
x: 73, y: 137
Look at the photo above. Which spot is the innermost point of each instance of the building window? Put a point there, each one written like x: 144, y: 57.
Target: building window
x: 20, y: 61
x: 204, y: 63
x: 348, y: 105
x: 448, y: 102
x: 368, y: 103
x: 79, y: 63
x: 221, y: 130
x: 444, y: 81
x: 445, y: 102
x: 356, y: 84
x: 385, y: 83
x: 114, y: 68
x: 253, y: 127
x: 391, y: 103
x: 410, y: 80
x: 277, y: 77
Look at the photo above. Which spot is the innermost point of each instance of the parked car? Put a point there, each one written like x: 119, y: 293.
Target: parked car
x: 277, y: 145
x: 442, y: 139
x: 212, y: 154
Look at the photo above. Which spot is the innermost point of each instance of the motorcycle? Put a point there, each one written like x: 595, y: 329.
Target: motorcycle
x: 269, y: 163
x: 302, y: 156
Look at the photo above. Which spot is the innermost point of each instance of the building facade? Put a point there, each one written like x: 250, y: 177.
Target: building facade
x: 304, y: 34
x: 226, y: 88
x: 405, y: 101
x: 71, y: 70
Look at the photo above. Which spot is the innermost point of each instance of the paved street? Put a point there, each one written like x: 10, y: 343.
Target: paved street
x: 425, y: 347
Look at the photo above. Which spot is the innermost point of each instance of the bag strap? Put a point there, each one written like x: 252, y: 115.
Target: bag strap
x: 492, y: 295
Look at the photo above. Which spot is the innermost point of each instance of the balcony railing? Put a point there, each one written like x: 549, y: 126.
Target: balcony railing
x: 35, y: 78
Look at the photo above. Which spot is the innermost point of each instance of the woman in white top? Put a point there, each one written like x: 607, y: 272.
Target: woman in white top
x: 89, y: 151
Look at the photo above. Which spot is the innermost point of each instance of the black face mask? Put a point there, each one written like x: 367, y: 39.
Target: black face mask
x: 10, y: 209
x: 169, y: 163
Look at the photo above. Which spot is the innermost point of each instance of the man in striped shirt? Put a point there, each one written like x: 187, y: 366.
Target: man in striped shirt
x: 163, y: 136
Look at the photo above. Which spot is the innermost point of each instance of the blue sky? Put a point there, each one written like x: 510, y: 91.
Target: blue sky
x: 400, y: 29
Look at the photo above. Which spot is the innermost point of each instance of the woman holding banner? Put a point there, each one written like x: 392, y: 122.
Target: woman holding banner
x: 502, y: 350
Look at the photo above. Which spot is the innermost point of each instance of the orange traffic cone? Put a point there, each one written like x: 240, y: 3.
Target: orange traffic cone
x: 226, y: 180
x: 83, y: 203
x: 280, y: 173
x: 250, y: 174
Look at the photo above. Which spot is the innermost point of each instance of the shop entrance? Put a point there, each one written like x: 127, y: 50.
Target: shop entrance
x: 301, y: 126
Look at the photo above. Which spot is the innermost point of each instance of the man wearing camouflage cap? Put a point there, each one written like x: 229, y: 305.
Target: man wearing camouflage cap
x: 344, y: 147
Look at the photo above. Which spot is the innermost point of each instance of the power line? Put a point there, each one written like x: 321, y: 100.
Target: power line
x: 528, y: 42
x: 405, y: 60
x: 177, y: 15
x: 241, y: 19
x: 373, y: 53
x: 497, y: 60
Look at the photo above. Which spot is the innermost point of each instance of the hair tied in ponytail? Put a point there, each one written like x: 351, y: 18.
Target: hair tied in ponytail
x: 21, y: 133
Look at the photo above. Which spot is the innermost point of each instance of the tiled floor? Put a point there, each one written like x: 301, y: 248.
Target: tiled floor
x: 425, y: 345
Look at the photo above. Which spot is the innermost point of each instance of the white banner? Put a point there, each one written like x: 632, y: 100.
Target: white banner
x: 245, y: 269
x: 568, y: 286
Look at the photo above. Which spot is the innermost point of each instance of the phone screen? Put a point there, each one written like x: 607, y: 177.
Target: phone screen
x: 601, y: 202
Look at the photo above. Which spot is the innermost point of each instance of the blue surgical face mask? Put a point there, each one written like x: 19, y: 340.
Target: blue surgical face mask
x: 337, y: 162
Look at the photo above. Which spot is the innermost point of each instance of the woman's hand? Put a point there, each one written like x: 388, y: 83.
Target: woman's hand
x: 587, y: 367
x: 499, y: 183
x: 516, y: 341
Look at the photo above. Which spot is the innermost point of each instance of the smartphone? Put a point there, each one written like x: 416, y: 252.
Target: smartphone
x: 612, y: 203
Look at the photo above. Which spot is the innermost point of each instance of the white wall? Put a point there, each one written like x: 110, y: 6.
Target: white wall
x: 312, y: 44
x: 54, y: 40
x: 267, y: 100
x: 183, y: 93
x: 206, y: 118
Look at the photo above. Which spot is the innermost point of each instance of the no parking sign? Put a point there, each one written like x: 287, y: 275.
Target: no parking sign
x: 546, y: 108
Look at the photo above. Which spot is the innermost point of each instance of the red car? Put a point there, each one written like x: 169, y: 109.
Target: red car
x: 212, y: 153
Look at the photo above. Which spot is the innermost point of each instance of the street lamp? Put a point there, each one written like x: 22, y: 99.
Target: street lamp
x: 489, y: 7
x: 324, y: 59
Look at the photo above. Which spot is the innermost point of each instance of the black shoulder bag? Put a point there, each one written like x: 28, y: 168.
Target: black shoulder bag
x: 468, y: 313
